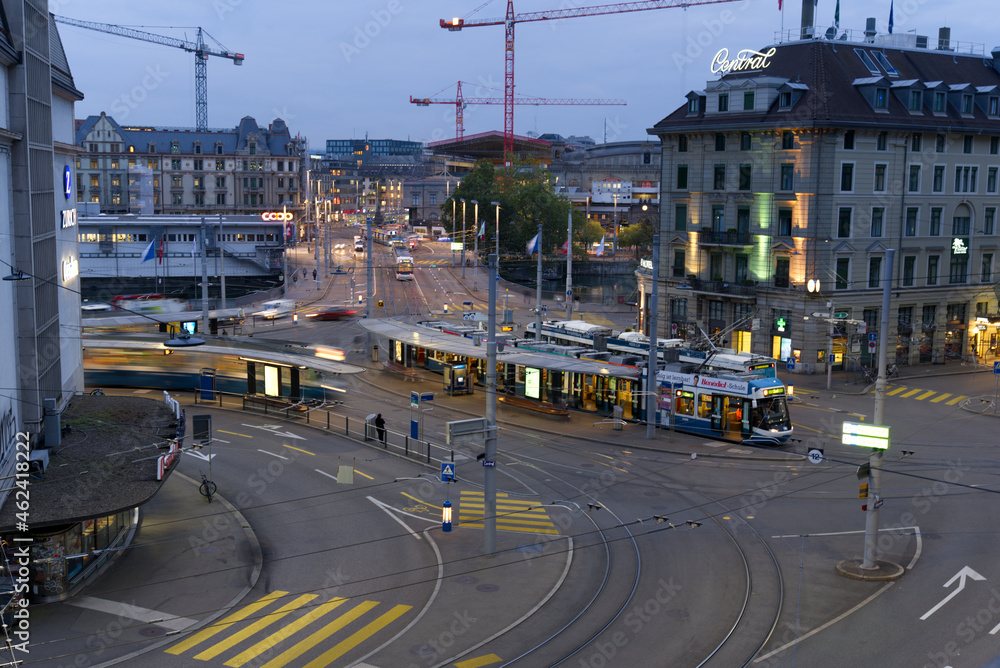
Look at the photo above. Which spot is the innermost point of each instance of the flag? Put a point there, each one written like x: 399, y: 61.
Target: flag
x: 890, y: 17
x: 565, y: 248
x: 149, y: 253
x: 779, y: 5
x: 836, y: 16
x: 482, y: 231
x: 194, y: 246
x: 159, y: 251
x: 600, y: 247
x: 533, y: 245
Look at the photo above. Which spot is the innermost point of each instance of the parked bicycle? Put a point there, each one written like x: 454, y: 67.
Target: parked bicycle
x: 208, y: 488
x: 892, y: 371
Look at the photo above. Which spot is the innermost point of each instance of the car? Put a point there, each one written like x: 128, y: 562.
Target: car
x: 332, y: 313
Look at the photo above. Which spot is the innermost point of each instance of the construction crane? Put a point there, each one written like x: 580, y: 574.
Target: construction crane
x: 511, y: 19
x: 461, y: 102
x: 198, y: 48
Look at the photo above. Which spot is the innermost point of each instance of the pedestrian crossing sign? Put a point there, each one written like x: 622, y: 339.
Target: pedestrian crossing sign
x: 447, y: 472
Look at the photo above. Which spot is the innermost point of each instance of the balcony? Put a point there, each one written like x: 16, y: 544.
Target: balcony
x: 746, y: 289
x: 726, y: 238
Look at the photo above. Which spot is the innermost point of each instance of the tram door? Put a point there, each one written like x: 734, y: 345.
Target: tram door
x: 727, y: 417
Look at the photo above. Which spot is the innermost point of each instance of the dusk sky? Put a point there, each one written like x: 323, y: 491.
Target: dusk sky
x: 334, y: 69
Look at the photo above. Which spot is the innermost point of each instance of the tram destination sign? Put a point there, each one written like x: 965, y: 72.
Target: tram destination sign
x: 866, y: 435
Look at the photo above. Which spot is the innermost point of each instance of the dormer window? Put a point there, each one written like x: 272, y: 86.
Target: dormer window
x: 966, y: 104
x: 940, y: 102
x: 693, y: 105
x: 993, y: 106
x: 175, y: 147
x: 218, y: 148
x: 152, y: 147
x: 881, y: 98
x: 197, y: 148
x: 916, y: 100
x: 723, y: 101
x: 785, y: 100
x: 252, y: 147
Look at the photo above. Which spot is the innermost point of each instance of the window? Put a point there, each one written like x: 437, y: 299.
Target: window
x: 199, y: 164
x: 878, y: 215
x: 915, y: 142
x: 882, y: 141
x: 177, y: 199
x: 965, y: 179
x: 914, y: 185
x: 720, y: 141
x: 991, y: 180
x: 909, y: 262
x: 939, y: 143
x: 932, y: 269
x: 220, y: 199
x: 93, y: 163
x: 849, y: 140
x: 176, y: 182
x: 220, y: 181
x: 434, y: 199
x: 940, y: 102
x: 787, y: 174
x: 647, y: 158
x: 678, y: 267
x: 844, y: 223
x: 916, y: 99
x: 847, y: 177
x: 218, y: 149
x: 904, y: 320
x: 199, y: 199
x: 959, y: 269
x: 784, y: 99
x: 986, y: 275
x: 693, y: 105
x: 881, y: 98
x: 994, y: 145
x: 993, y: 106
x: 175, y: 163
x: 745, y: 141
x: 719, y: 177
x: 870, y: 318
x: 966, y: 104
x: 911, y: 221
x: 680, y: 217
x: 879, y: 178
x: 843, y: 273
x: 281, y: 166
x: 742, y: 268
x: 989, y: 219
x: 967, y: 144
x: 114, y: 163
x: 874, y: 271
x: 682, y: 177
x: 938, y: 185
x: 175, y: 148
x: 682, y: 144
x: 252, y: 148
x: 960, y: 226
x: 199, y: 182
x: 935, y: 230
x: 745, y: 174
x: 784, y: 222
x: 220, y: 165
x: 787, y: 140
x: 723, y: 101
x: 748, y: 99
x: 781, y: 271
x: 281, y: 182
x: 95, y: 181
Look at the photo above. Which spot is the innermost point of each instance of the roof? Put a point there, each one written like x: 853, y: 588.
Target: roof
x: 275, y: 140
x: 425, y: 337
x: 490, y: 145
x: 829, y: 73
x: 62, y: 77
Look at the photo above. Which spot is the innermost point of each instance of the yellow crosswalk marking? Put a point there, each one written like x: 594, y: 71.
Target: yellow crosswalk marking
x: 240, y: 614
x: 479, y: 661
x: 925, y: 395
x: 316, y: 638
x: 285, y: 633
x: 910, y: 393
x: 262, y: 623
x: 352, y: 641
x: 954, y: 401
x: 895, y: 391
x: 940, y: 397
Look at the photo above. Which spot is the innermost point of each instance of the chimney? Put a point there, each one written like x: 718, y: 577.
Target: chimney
x: 944, y: 39
x: 807, y: 19
x: 870, y: 31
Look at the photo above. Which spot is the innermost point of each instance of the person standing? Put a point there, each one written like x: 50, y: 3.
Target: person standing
x: 380, y: 427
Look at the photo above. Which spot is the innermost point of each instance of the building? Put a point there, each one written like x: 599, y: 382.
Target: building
x: 787, y: 179
x: 140, y: 169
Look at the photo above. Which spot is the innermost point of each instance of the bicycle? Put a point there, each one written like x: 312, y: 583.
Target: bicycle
x: 869, y: 375
x: 891, y: 371
x: 208, y: 488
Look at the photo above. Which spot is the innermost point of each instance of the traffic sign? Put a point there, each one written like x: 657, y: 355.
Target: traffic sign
x: 790, y: 363
x: 871, y: 346
x: 569, y: 293
x: 489, y: 464
x: 820, y: 314
x: 841, y: 315
x: 815, y: 456
x: 414, y: 399
x: 427, y: 396
x: 996, y: 367
x: 872, y: 336
x: 447, y: 472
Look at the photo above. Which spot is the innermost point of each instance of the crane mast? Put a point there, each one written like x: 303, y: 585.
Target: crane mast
x: 198, y: 47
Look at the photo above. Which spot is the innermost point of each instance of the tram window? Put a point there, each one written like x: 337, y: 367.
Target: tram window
x: 705, y: 405
x: 685, y: 403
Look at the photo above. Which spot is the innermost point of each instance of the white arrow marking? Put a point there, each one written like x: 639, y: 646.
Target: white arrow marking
x: 273, y: 429
x: 272, y: 454
x: 966, y: 572
x: 199, y: 455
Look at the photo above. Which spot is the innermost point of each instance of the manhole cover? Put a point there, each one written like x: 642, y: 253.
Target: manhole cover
x: 466, y: 580
x: 152, y: 631
x: 487, y: 588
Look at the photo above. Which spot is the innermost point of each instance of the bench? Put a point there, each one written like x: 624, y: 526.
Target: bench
x: 397, y: 368
x: 532, y: 406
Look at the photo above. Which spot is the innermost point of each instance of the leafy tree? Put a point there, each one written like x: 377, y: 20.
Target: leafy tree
x: 638, y: 236
x: 591, y: 233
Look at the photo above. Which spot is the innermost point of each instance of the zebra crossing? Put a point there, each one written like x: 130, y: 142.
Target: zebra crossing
x: 244, y: 639
x: 512, y: 514
x: 917, y: 394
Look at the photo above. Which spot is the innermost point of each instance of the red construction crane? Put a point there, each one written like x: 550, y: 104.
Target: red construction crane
x: 461, y: 102
x: 512, y: 18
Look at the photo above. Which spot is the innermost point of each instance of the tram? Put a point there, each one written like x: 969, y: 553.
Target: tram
x: 734, y: 406
x: 404, y: 268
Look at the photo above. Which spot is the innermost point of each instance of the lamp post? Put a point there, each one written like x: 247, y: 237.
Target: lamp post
x: 813, y: 286
x: 614, y: 224
x: 654, y: 347
x: 497, y: 237
x: 475, y: 243
x: 453, y: 204
x: 463, y: 237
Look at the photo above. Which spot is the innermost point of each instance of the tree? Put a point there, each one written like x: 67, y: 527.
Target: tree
x: 590, y: 234
x: 638, y: 236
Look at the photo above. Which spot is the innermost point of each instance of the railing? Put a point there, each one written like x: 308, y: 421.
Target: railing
x: 718, y: 287
x: 726, y: 238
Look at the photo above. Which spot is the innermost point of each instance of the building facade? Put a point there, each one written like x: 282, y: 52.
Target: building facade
x: 788, y: 178
x: 137, y: 169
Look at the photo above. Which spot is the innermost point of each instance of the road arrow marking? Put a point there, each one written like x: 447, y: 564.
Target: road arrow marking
x: 203, y: 457
x: 961, y: 576
x: 273, y: 429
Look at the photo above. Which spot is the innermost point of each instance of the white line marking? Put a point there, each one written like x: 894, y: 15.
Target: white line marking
x: 272, y: 454
x: 392, y: 514
x: 332, y: 477
x: 132, y: 612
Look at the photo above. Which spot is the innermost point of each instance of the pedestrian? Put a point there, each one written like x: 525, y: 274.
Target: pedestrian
x: 303, y: 272
x: 314, y: 274
x: 380, y: 427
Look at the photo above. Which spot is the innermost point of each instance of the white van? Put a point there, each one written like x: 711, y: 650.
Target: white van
x: 276, y: 308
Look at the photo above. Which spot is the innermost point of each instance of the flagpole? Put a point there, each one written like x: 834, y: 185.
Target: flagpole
x: 538, y: 296
x: 569, y: 266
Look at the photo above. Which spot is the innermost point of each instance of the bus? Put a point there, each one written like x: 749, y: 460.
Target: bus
x: 404, y: 268
x: 741, y: 407
x: 359, y: 245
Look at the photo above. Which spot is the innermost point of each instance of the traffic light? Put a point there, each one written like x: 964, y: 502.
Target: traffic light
x: 863, y: 494
x: 380, y: 303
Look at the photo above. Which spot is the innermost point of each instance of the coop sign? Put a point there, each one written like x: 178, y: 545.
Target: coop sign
x: 745, y: 60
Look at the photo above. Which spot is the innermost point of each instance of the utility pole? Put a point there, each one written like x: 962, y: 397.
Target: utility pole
x: 538, y: 292
x: 569, y: 265
x: 490, y: 472
x: 370, y: 271
x: 204, y: 281
x: 654, y: 348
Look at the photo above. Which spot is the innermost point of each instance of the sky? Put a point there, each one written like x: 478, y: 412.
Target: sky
x: 334, y: 69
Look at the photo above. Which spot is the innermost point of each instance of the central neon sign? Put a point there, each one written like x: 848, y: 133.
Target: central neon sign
x: 746, y: 59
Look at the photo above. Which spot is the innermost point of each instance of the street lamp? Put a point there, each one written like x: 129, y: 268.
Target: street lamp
x: 497, y: 238
x: 813, y: 287
x: 614, y: 224
x: 463, y: 237
x: 475, y: 243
